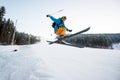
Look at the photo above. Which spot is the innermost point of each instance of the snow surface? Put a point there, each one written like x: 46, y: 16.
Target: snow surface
x: 116, y: 46
x: 57, y: 62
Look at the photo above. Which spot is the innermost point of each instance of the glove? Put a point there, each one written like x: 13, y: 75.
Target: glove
x: 70, y: 30
x: 48, y: 15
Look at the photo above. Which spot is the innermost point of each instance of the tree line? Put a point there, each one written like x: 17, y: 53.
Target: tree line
x: 9, y: 34
x: 95, y: 40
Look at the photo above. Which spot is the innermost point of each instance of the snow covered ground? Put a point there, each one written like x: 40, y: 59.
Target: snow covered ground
x: 116, y: 46
x: 57, y: 62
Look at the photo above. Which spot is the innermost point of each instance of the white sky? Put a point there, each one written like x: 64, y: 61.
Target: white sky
x: 102, y: 15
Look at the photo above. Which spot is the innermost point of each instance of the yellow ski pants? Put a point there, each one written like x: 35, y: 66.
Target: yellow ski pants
x: 61, y: 32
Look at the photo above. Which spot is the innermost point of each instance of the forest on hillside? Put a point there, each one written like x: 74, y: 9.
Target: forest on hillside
x: 95, y: 40
x: 9, y: 35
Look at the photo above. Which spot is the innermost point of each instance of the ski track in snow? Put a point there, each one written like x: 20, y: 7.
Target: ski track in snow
x: 57, y: 62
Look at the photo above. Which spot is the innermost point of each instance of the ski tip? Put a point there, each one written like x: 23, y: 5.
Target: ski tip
x: 88, y: 28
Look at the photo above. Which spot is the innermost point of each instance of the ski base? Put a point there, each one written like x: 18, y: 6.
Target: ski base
x: 67, y: 44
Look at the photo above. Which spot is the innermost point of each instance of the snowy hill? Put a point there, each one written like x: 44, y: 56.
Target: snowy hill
x: 57, y: 62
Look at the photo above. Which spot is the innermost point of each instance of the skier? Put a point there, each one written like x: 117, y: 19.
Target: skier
x: 59, y: 26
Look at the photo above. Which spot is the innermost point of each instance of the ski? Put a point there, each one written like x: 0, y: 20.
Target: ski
x: 63, y: 38
x: 69, y: 44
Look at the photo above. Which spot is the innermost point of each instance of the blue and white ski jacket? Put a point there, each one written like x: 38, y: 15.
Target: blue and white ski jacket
x: 59, y: 24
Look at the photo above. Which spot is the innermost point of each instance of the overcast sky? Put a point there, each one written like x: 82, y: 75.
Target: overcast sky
x: 102, y: 15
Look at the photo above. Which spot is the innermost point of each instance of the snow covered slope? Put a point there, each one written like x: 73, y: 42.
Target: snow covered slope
x: 57, y: 62
x: 116, y: 46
